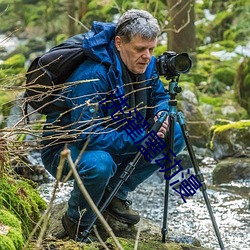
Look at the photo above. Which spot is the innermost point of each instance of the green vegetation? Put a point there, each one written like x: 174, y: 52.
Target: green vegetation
x: 22, y: 201
x: 11, y: 237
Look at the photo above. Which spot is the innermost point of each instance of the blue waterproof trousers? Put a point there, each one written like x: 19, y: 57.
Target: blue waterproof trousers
x: 100, y: 170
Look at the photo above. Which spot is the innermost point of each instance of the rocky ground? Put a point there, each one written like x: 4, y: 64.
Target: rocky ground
x: 149, y: 236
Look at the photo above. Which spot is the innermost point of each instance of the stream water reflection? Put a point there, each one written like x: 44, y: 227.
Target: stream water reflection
x: 230, y: 205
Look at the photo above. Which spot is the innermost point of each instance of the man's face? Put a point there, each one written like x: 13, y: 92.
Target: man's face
x: 137, y: 53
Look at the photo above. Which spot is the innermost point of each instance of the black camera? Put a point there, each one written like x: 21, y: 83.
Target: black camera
x: 170, y: 64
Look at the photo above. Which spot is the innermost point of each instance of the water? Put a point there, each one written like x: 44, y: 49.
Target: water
x: 230, y: 204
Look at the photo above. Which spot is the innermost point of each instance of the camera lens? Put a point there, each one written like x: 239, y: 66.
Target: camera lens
x: 182, y: 63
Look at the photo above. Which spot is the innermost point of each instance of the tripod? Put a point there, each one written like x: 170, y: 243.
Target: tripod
x: 173, y: 90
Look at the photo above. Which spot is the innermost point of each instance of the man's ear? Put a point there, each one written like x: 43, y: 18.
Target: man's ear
x: 118, y: 42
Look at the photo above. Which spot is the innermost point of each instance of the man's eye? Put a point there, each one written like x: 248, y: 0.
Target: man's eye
x: 139, y: 50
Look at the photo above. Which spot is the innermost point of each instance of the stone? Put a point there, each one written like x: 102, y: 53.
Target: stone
x: 197, y: 125
x: 231, y: 169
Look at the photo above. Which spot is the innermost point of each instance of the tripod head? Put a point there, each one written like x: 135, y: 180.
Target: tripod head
x: 174, y: 89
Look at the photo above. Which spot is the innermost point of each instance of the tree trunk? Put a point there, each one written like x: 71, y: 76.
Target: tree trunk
x: 71, y: 6
x: 181, y: 27
x: 83, y: 7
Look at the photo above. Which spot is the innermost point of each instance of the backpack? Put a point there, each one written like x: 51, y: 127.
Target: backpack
x: 47, y: 74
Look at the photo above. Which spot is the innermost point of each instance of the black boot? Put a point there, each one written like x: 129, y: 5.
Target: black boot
x: 121, y: 211
x: 74, y: 230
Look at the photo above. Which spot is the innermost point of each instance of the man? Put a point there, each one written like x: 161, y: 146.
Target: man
x: 121, y: 69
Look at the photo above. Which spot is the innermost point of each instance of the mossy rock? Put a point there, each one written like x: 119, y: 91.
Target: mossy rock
x: 231, y: 139
x: 128, y: 244
x: 11, y: 237
x: 22, y: 200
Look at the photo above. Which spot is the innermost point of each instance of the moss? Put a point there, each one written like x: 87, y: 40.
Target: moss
x: 13, y: 71
x: 16, y: 237
x: 21, y: 199
x: 221, y: 132
x: 6, y: 243
x: 214, y: 101
x: 9, y: 219
x: 225, y: 75
x: 16, y: 61
x: 128, y: 244
x: 235, y: 125
x: 13, y: 239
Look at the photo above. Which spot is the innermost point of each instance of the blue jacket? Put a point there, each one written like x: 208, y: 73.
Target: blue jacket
x: 86, y: 119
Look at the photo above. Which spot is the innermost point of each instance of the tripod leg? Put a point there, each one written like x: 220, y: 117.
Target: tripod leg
x: 170, y: 144
x: 199, y: 176
x: 164, y: 229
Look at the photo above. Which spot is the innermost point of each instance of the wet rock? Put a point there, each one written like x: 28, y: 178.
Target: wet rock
x: 231, y: 169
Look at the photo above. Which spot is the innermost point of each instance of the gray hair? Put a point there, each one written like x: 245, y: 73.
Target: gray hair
x: 137, y: 22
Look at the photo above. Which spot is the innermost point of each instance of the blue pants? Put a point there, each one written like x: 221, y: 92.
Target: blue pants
x: 100, y: 170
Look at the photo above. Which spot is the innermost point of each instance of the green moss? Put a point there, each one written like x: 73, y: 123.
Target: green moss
x: 16, y: 237
x: 6, y: 243
x: 13, y: 239
x: 21, y: 199
x: 16, y: 61
x: 225, y: 75
x: 235, y: 125
x: 128, y: 244
x: 9, y: 219
x: 13, y: 71
x: 212, y: 100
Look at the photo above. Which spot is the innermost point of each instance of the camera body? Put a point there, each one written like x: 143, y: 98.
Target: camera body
x: 171, y: 65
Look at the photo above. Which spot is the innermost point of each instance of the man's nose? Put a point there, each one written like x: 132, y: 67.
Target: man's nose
x: 146, y: 54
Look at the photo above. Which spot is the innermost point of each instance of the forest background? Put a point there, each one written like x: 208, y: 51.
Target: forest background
x: 214, y: 33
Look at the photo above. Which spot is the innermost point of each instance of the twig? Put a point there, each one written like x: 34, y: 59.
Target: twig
x: 77, y: 21
x: 99, y: 238
x: 137, y: 236
x: 66, y: 154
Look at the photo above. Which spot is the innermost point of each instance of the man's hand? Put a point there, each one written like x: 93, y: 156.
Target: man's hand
x: 164, y: 128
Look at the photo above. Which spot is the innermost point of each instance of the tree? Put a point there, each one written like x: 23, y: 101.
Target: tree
x: 181, y: 27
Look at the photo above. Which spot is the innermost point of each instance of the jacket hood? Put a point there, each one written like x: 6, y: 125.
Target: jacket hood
x: 98, y: 43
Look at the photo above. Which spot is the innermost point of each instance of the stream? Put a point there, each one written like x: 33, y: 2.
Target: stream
x: 230, y: 204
